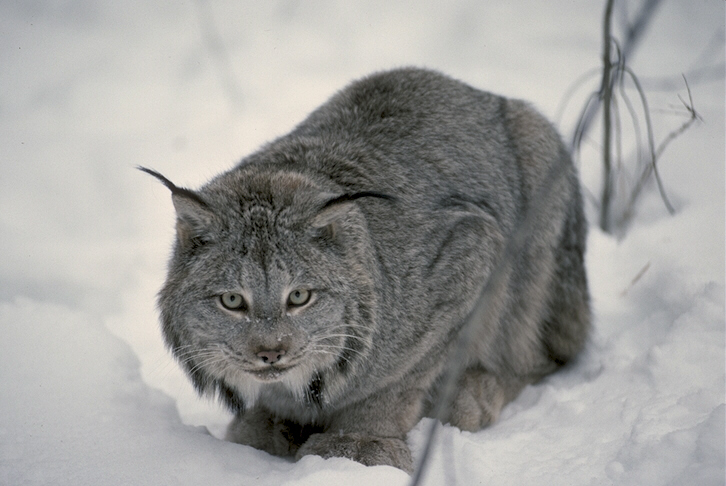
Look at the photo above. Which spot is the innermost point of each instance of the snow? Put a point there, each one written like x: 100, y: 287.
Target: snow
x: 91, y: 89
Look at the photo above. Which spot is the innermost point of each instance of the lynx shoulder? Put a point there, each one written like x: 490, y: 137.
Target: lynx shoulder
x: 318, y: 287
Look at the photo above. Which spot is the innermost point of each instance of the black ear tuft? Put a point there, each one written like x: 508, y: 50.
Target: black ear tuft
x: 333, y: 210
x: 352, y: 197
x: 194, y: 215
x: 175, y: 190
x: 336, y: 207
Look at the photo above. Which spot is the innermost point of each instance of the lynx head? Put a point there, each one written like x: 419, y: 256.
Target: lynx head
x: 269, y: 286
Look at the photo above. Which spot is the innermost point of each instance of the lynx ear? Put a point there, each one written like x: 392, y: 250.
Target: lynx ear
x: 193, y: 214
x: 334, y: 209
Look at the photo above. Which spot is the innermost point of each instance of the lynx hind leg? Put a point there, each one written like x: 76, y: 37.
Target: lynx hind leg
x: 567, y: 328
x: 479, y: 400
x: 568, y: 325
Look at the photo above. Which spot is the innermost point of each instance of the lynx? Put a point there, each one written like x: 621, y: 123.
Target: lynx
x: 318, y: 287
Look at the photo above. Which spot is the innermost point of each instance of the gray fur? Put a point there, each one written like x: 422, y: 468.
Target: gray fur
x: 391, y: 204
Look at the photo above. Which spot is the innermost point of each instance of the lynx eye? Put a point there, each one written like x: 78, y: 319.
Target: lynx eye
x: 232, y: 301
x: 298, y: 297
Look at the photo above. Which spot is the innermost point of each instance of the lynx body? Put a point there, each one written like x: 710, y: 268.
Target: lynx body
x: 318, y: 287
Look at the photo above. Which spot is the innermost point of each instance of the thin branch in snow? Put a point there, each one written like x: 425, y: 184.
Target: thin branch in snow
x: 610, y: 98
x: 606, y: 104
x: 657, y: 153
x: 652, y: 167
x: 637, y: 277
x: 676, y: 133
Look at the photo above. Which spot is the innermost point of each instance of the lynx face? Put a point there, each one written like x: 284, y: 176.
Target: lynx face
x: 262, y: 301
x: 277, y: 322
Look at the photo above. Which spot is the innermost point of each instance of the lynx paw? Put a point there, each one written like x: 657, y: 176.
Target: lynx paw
x: 268, y: 433
x: 366, y: 449
x: 479, y: 401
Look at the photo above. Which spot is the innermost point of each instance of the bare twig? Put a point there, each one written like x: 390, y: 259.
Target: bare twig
x: 652, y: 167
x: 694, y: 116
x: 605, y: 96
x: 686, y: 125
x: 639, y: 26
x: 612, y: 91
x: 634, y: 35
x: 576, y: 85
x: 637, y: 277
x: 617, y: 137
x: 584, y: 121
x: 708, y: 66
x: 633, y: 118
x: 703, y: 74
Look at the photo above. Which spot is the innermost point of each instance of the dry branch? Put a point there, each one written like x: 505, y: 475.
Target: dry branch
x: 610, y: 97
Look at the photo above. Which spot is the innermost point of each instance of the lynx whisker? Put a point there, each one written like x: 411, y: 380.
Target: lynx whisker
x: 330, y: 336
x: 343, y: 348
x: 191, y: 356
x: 331, y: 353
x: 205, y: 363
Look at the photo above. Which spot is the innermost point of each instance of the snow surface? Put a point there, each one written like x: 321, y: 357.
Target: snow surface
x: 90, y: 89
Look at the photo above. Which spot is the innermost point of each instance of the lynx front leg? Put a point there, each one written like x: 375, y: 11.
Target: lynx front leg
x: 262, y: 430
x: 367, y: 449
x: 372, y: 432
x: 481, y: 397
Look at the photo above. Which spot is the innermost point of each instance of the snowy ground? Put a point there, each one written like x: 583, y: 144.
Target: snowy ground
x: 88, y: 90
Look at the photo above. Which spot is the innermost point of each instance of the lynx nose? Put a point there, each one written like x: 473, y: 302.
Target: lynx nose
x: 271, y: 357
